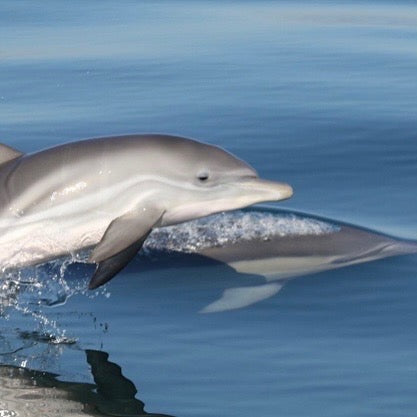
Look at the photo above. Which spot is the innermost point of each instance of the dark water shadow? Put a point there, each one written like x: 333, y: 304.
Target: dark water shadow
x: 112, y: 394
x: 166, y: 270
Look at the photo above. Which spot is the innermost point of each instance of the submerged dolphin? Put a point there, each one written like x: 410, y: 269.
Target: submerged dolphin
x: 109, y: 193
x: 271, y: 244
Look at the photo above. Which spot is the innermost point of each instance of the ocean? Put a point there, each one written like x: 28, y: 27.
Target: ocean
x: 321, y: 95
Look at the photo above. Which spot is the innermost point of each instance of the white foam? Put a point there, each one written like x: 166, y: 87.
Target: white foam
x: 231, y: 227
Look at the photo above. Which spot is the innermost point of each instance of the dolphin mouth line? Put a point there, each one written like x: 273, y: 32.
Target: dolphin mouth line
x: 278, y: 191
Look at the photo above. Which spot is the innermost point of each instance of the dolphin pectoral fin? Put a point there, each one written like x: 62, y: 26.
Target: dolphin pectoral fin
x: 123, y: 232
x: 109, y: 267
x: 234, y: 298
x: 120, y: 243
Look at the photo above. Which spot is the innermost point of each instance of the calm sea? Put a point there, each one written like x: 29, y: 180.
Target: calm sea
x: 320, y: 94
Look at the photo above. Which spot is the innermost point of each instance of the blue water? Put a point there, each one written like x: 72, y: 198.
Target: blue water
x: 322, y: 95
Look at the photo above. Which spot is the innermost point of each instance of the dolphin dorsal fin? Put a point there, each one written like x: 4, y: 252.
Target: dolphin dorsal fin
x: 8, y: 154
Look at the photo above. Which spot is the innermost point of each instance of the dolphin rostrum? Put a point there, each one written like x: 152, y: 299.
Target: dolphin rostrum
x: 109, y: 193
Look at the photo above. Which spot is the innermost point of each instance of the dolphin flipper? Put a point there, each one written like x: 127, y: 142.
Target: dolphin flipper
x: 109, y: 267
x: 120, y: 243
x: 123, y: 232
x: 234, y: 298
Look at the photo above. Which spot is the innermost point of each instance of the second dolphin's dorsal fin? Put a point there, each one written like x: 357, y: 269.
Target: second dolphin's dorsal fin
x: 8, y: 154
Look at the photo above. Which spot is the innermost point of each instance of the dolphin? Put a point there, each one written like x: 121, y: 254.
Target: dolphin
x: 110, y: 193
x: 274, y: 245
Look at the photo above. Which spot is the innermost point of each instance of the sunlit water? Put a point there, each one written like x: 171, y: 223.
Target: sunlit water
x: 321, y: 95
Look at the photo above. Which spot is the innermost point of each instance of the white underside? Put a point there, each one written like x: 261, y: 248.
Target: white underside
x: 30, y: 243
x: 63, y: 227
x: 284, y: 267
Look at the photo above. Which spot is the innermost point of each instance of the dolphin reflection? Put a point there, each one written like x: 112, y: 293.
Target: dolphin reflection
x: 31, y: 393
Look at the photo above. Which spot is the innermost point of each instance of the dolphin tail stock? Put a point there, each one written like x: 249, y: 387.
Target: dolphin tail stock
x: 239, y: 297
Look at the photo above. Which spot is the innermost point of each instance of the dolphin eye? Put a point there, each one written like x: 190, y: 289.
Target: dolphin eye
x: 203, y: 176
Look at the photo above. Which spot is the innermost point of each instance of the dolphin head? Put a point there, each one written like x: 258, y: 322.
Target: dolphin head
x: 209, y: 180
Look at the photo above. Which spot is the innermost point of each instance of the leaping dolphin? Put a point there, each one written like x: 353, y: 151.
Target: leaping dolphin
x: 109, y: 193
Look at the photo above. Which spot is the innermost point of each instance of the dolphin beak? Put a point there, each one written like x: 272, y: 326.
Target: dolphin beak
x: 266, y: 190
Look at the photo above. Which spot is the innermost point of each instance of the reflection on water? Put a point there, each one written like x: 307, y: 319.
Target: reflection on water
x: 30, y: 393
x: 115, y: 393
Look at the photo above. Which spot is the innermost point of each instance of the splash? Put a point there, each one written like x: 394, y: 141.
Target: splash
x: 31, y: 292
x: 231, y: 227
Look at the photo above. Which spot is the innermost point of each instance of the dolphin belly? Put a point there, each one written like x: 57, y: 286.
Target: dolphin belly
x: 24, y: 243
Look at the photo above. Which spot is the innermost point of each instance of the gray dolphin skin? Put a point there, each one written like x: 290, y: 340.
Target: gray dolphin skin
x: 110, y: 193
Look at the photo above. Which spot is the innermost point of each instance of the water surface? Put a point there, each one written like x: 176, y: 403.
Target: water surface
x: 321, y: 95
